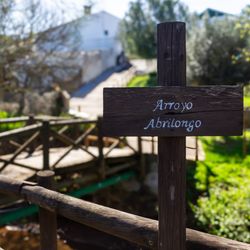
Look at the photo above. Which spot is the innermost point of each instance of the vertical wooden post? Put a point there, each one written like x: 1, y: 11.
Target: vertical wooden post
x: 196, y: 148
x: 45, y: 142
x: 101, y: 160
x: 47, y: 219
x: 153, y: 145
x: 142, y: 170
x: 245, y: 122
x: 171, y: 56
x: 30, y: 122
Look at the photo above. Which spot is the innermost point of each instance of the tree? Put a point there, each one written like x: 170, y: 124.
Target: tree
x: 31, y: 42
x: 138, y: 26
x: 137, y: 31
x: 243, y: 26
x: 168, y: 10
x: 212, y: 44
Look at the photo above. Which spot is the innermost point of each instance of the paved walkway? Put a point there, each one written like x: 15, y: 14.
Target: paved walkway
x: 87, y: 102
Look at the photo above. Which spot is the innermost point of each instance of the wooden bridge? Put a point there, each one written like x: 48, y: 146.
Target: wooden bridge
x: 69, y: 145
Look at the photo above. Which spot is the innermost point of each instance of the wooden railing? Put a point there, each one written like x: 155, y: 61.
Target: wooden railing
x: 40, y: 134
x: 43, y: 134
x: 135, y: 229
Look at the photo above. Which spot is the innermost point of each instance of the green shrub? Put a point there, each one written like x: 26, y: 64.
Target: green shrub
x: 212, y: 45
x: 223, y: 183
x: 5, y: 127
x: 225, y: 212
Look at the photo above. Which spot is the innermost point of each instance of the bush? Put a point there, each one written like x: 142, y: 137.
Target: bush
x: 222, y: 180
x: 9, y: 126
x: 212, y: 45
x: 225, y: 213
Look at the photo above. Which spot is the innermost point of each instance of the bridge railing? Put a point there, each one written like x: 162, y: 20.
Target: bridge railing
x: 135, y: 229
x: 41, y: 134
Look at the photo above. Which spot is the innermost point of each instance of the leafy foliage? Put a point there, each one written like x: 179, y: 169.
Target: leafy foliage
x: 217, y: 48
x: 139, y: 25
x: 243, y: 25
x: 212, y: 46
x: 30, y: 46
x: 5, y: 127
x: 222, y: 180
x: 143, y: 81
x: 137, y: 31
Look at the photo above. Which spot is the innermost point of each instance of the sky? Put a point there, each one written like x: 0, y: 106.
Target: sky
x: 119, y: 7
x: 73, y: 9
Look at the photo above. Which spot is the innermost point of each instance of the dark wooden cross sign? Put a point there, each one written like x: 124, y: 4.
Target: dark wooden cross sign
x: 172, y: 111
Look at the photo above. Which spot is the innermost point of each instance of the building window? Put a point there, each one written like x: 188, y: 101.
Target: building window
x: 106, y: 32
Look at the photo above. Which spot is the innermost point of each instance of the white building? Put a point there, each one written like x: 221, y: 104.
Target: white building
x: 85, y: 47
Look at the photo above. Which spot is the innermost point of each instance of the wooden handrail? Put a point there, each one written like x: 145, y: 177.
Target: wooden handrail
x: 71, y: 122
x: 20, y: 131
x: 27, y: 118
x: 136, y: 229
x: 14, y: 120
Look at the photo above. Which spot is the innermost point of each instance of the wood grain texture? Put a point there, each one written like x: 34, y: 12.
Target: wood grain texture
x: 127, y: 111
x: 137, y: 229
x: 45, y: 134
x: 47, y: 218
x: 171, y: 57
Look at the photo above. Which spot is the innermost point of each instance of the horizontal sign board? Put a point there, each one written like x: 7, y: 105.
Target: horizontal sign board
x: 173, y: 111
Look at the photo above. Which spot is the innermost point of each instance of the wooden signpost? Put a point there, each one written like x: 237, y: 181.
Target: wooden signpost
x: 172, y: 111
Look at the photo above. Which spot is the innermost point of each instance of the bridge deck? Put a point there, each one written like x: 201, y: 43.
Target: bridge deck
x: 78, y: 157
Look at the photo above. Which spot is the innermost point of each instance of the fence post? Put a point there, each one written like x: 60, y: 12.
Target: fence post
x: 245, y: 121
x: 47, y: 219
x: 30, y: 122
x: 196, y: 148
x: 101, y: 159
x: 141, y: 159
x: 45, y: 142
x: 153, y: 145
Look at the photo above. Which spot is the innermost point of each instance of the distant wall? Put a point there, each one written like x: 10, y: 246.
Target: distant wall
x: 72, y: 70
x: 145, y: 66
x: 94, y: 63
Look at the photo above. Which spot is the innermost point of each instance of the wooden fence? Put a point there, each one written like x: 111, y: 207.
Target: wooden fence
x: 39, y: 134
x: 43, y: 134
x: 135, y: 229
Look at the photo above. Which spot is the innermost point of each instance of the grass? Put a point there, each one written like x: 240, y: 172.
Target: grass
x: 246, y: 101
x: 247, y: 96
x: 148, y: 80
x: 222, y: 185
